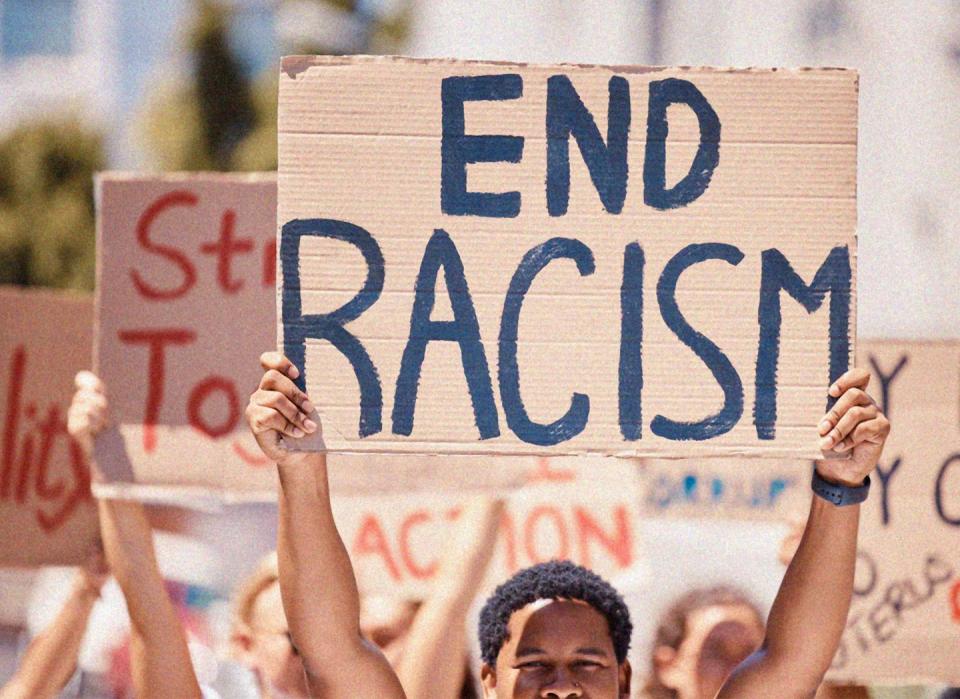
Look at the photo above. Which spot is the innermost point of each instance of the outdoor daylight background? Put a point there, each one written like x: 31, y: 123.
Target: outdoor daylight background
x: 160, y: 85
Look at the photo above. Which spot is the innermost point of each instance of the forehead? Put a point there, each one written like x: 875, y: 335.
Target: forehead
x: 557, y: 626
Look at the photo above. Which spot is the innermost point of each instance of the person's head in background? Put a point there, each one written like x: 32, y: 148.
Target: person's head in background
x: 555, y: 629
x: 701, y: 638
x: 260, y: 636
x: 385, y: 620
x: 260, y: 639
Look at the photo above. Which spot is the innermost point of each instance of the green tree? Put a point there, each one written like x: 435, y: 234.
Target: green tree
x: 46, y: 204
x: 219, y: 119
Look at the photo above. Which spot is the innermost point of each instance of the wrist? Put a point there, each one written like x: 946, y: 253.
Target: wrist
x: 839, y: 493
x: 839, y: 481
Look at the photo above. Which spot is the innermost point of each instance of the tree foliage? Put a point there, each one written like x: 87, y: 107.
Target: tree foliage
x: 46, y: 204
x: 219, y: 119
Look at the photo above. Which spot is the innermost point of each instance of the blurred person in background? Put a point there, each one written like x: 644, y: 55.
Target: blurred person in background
x: 424, y: 641
x: 51, y: 658
x: 160, y: 663
x: 700, y: 639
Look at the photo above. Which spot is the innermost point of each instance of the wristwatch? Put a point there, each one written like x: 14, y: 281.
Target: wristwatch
x: 839, y: 494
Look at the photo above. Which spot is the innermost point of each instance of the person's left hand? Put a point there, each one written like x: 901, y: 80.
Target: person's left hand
x: 854, y: 426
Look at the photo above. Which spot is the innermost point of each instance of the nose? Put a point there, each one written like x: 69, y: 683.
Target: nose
x: 563, y: 686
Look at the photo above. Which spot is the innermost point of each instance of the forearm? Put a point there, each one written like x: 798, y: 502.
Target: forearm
x: 51, y: 658
x: 810, y: 612
x: 319, y: 590
x: 128, y: 544
x: 160, y: 659
x: 435, y: 653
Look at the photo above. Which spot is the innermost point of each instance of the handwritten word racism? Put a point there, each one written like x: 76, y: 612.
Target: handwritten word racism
x: 566, y: 118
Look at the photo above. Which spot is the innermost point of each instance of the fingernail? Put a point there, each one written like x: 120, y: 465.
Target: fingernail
x: 297, y: 432
x: 835, y: 390
x: 826, y: 442
x: 309, y: 425
x: 293, y: 372
x: 307, y: 406
x: 824, y: 425
x: 840, y: 447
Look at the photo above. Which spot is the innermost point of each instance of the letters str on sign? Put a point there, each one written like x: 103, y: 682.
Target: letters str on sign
x: 47, y: 515
x: 185, y: 289
x: 505, y: 258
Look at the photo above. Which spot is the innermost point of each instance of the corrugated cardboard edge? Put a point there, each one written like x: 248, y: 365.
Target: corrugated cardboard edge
x: 293, y: 65
x: 191, y: 497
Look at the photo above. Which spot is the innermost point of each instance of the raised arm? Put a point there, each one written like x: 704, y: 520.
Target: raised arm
x: 159, y: 659
x: 810, y: 612
x: 433, y: 660
x: 51, y: 658
x: 317, y: 584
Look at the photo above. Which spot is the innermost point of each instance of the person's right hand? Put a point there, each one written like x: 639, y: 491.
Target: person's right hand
x: 88, y: 414
x: 278, y: 407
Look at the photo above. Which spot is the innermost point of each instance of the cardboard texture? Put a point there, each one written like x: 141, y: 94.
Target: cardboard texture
x: 600, y: 292
x: 904, y: 624
x: 185, y: 284
x: 571, y: 508
x: 47, y: 515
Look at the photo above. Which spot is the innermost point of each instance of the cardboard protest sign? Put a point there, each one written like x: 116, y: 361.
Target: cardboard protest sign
x: 904, y: 624
x: 47, y: 515
x: 579, y: 509
x: 635, y: 261
x: 185, y: 280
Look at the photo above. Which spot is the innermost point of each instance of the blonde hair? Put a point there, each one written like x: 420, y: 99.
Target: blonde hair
x: 247, y: 592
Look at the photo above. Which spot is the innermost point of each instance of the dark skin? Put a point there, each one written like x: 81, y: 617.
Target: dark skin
x: 556, y: 648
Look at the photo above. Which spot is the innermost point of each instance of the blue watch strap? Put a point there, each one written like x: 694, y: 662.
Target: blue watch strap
x: 839, y: 494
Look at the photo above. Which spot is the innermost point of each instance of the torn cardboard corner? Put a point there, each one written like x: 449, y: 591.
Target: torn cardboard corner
x: 492, y: 258
x: 47, y: 515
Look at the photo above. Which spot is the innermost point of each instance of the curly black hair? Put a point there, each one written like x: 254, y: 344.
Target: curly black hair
x: 553, y: 580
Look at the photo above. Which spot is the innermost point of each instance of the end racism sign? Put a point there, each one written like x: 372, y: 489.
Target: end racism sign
x: 505, y: 258
x: 47, y: 514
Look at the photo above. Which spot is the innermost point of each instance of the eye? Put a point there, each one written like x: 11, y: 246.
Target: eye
x: 531, y: 665
x: 587, y: 664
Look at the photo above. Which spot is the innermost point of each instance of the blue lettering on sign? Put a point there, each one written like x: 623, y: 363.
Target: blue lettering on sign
x: 711, y: 355
x: 606, y: 162
x: 631, y: 343
x: 463, y: 329
x: 575, y: 419
x: 712, y: 491
x: 663, y: 93
x: 457, y: 149
x: 297, y: 327
x: 833, y: 277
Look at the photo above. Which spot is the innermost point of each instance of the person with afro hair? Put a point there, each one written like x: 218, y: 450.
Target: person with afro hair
x: 555, y: 615
x: 557, y: 631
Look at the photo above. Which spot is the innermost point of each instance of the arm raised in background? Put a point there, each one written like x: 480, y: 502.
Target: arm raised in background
x: 810, y: 612
x: 51, y: 658
x: 434, y: 656
x: 159, y: 659
x: 317, y: 584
